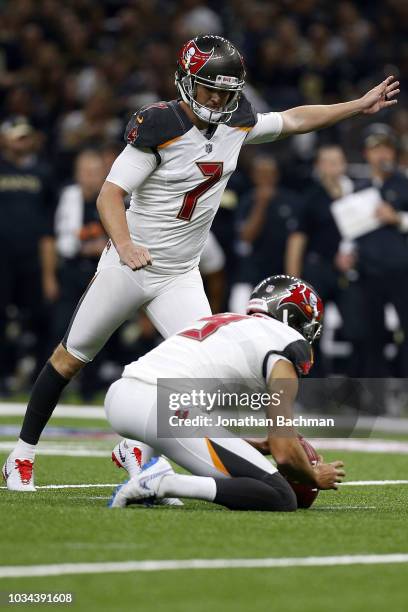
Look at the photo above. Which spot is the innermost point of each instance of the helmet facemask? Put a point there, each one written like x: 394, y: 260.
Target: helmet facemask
x: 311, y: 330
x: 187, y: 87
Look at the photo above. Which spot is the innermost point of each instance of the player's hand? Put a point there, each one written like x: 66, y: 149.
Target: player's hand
x: 387, y: 214
x: 381, y: 96
x: 50, y: 287
x: 135, y: 256
x: 328, y: 475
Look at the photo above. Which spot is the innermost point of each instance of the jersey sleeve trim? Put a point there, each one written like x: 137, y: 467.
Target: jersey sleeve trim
x: 168, y: 142
x: 268, y: 128
x: 118, y: 183
x: 155, y: 125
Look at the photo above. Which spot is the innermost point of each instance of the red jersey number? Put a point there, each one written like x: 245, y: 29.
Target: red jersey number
x: 214, y: 172
x: 209, y: 325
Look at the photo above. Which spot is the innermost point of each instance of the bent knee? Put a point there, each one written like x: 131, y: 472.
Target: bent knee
x: 287, y: 496
x: 66, y: 364
x: 289, y: 501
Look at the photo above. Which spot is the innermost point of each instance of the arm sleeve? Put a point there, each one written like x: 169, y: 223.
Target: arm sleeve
x: 267, y: 129
x: 131, y: 168
x: 298, y: 352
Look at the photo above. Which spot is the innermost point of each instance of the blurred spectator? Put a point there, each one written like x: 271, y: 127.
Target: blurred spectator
x: 109, y: 153
x: 383, y: 253
x: 314, y: 251
x: 80, y: 240
x: 78, y: 69
x: 94, y: 125
x: 27, y: 201
x: 266, y: 215
x: 197, y: 18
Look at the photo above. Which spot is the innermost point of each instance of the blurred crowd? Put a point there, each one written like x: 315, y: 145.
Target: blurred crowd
x: 72, y: 73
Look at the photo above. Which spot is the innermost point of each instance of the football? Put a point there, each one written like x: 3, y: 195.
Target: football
x: 304, y: 493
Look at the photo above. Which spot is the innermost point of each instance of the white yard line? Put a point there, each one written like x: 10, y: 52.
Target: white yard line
x: 351, y: 483
x: 86, y: 449
x: 372, y: 483
x: 28, y: 571
x: 74, y: 486
x: 61, y: 411
x: 62, y: 450
x: 371, y: 423
x: 363, y: 445
x: 337, y: 508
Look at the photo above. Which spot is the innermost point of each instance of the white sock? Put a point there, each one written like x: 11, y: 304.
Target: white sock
x: 147, y: 452
x: 24, y: 450
x: 178, y: 485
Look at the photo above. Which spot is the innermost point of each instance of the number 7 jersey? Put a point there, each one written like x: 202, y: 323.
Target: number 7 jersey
x: 171, y: 211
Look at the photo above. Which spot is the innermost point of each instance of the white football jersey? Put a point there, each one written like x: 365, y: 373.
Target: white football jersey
x: 226, y: 345
x: 172, y: 209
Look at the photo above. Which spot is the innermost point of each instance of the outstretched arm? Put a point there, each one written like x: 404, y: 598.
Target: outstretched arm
x: 302, y: 119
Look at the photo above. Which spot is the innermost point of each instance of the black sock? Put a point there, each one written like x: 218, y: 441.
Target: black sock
x: 272, y: 494
x: 44, y: 397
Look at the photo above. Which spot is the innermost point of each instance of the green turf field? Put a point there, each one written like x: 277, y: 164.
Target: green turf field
x: 60, y: 526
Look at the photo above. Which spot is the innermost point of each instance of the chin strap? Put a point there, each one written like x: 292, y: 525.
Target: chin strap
x: 202, y: 112
x: 207, y: 115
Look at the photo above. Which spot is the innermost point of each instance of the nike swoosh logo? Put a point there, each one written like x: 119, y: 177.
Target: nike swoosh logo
x: 123, y: 457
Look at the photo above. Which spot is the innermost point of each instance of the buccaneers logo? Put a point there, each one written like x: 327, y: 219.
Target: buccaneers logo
x: 192, y: 58
x: 305, y: 299
x: 132, y: 135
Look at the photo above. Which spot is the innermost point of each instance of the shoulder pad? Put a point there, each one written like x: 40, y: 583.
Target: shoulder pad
x: 244, y: 116
x: 299, y: 352
x: 155, y: 124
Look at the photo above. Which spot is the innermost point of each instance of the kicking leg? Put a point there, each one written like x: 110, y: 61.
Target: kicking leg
x: 113, y: 296
x: 52, y: 380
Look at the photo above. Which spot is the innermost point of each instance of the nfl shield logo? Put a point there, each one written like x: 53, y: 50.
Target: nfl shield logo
x: 208, y: 147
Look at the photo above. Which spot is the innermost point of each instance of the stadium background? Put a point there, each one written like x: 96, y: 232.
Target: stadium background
x: 78, y: 70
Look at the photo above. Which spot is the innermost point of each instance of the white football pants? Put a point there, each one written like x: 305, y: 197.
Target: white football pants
x: 116, y: 293
x: 131, y: 408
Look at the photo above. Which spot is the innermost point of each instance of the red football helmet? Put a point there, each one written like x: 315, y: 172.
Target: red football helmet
x: 216, y: 63
x: 291, y: 301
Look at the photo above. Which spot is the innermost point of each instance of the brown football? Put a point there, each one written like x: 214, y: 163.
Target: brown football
x: 304, y: 493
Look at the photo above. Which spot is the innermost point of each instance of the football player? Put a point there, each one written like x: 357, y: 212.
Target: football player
x: 177, y: 162
x: 270, y: 344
